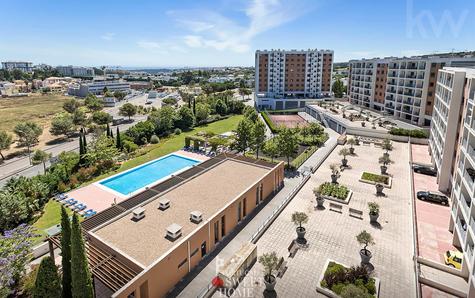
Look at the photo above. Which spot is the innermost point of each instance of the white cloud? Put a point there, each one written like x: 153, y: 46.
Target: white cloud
x: 108, y: 36
x: 214, y: 30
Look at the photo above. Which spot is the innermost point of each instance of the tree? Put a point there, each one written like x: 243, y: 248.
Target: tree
x: 163, y: 119
x: 185, y: 119
x: 202, y: 112
x: 258, y: 135
x: 385, y: 160
x: 243, y: 135
x: 71, y: 105
x: 299, y: 218
x: 93, y: 103
x: 28, y: 134
x: 47, y: 280
x: 128, y: 110
x: 119, y: 95
x: 365, y: 238
x: 221, y: 107
x: 287, y: 142
x: 387, y: 145
x: 5, y: 142
x: 344, y: 152
x: 269, y: 261
x: 81, y: 282
x: 338, y: 88
x: 15, y: 254
x: 80, y: 118
x: 315, y: 130
x: 66, y: 253
x: 62, y: 124
x: 141, y: 132
x: 118, y: 141
x: 40, y: 156
x: 101, y: 118
x: 271, y: 149
x: 251, y: 114
x: 100, y: 150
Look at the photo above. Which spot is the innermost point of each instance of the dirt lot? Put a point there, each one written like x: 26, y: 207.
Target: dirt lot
x: 38, y: 108
x: 289, y: 121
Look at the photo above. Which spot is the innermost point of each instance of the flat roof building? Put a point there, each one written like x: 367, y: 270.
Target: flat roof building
x: 165, y: 236
x: 20, y: 65
x: 75, y: 71
x: 286, y: 79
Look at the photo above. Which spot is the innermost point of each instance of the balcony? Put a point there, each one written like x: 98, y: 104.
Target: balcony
x: 469, y: 178
x: 472, y: 224
x: 470, y: 251
x: 465, y: 204
x: 462, y: 225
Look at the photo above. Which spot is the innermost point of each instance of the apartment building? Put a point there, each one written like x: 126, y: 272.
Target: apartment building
x: 145, y: 245
x: 287, y: 79
x: 20, y: 65
x: 462, y: 220
x: 73, y: 71
x: 446, y: 122
x: 97, y: 87
x: 401, y: 87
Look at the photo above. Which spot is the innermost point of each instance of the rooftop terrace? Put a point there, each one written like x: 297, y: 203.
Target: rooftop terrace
x: 208, y: 192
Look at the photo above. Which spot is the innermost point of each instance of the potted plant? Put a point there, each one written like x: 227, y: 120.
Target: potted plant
x: 384, y: 161
x: 270, y: 261
x: 365, y: 238
x: 335, y: 172
x: 380, y: 123
x: 363, y: 124
x: 351, y: 142
x: 379, y: 189
x: 298, y: 219
x: 374, y: 125
x: 387, y: 145
x: 344, y: 152
x: 373, y: 211
x: 318, y: 194
x: 357, y: 141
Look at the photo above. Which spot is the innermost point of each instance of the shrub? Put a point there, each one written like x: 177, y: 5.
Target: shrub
x: 154, y: 139
x: 338, y: 278
x: 269, y: 122
x: 375, y: 178
x: 414, y: 133
x: 177, y: 131
x: 334, y: 190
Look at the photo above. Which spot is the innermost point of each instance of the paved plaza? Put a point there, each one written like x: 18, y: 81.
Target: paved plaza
x: 331, y: 235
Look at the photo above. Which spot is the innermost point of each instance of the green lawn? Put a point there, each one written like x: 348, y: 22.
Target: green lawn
x: 52, y: 216
x: 174, y: 143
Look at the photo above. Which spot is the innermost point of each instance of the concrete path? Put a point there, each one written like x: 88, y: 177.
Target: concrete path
x: 202, y: 276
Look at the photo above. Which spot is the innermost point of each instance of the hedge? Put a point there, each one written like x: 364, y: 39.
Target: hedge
x: 269, y: 122
x: 299, y: 160
x: 414, y: 133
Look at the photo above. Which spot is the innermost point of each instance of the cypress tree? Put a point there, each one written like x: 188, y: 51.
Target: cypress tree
x: 84, y: 144
x: 80, y: 274
x: 111, y: 133
x: 108, y: 130
x: 81, y: 148
x: 47, y: 282
x: 194, y: 106
x: 118, y: 143
x: 66, y: 253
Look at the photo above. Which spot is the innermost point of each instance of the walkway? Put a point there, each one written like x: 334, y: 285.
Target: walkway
x: 201, y: 277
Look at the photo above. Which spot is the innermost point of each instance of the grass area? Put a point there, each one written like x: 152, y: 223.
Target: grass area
x: 38, y: 108
x: 375, y: 178
x: 174, y: 143
x: 51, y: 216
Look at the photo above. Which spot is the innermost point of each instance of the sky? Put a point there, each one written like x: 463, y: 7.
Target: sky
x: 195, y: 33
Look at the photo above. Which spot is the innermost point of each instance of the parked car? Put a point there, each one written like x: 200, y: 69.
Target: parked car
x: 426, y: 170
x: 453, y: 259
x: 433, y: 197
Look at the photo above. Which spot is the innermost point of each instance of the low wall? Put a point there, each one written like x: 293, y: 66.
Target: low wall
x: 40, y: 250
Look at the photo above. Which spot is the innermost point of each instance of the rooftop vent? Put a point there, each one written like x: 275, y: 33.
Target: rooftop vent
x: 173, y: 232
x: 138, y: 213
x: 164, y: 204
x: 196, y: 216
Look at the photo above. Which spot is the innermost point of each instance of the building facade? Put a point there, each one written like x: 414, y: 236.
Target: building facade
x: 287, y: 79
x: 97, y: 87
x: 20, y: 65
x: 462, y: 220
x: 73, y: 71
x: 400, y: 87
x: 446, y: 122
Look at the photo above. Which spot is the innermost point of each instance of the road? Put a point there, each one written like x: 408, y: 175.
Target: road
x: 20, y: 166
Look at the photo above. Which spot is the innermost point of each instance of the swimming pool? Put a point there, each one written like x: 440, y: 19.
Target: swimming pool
x: 131, y: 181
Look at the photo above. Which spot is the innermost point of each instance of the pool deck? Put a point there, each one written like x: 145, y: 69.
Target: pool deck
x: 99, y: 198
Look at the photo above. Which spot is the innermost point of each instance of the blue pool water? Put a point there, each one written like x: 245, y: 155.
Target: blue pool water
x: 142, y: 176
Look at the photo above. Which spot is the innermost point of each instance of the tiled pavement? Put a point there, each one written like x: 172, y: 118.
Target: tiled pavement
x: 332, y: 235
x: 201, y: 277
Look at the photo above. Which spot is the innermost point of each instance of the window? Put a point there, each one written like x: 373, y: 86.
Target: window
x: 194, y: 252
x: 216, y: 233
x: 131, y: 295
x: 239, y: 212
x: 244, y: 207
x: 223, y: 226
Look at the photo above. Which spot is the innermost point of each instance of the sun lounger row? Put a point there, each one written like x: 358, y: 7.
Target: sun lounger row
x: 75, y: 205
